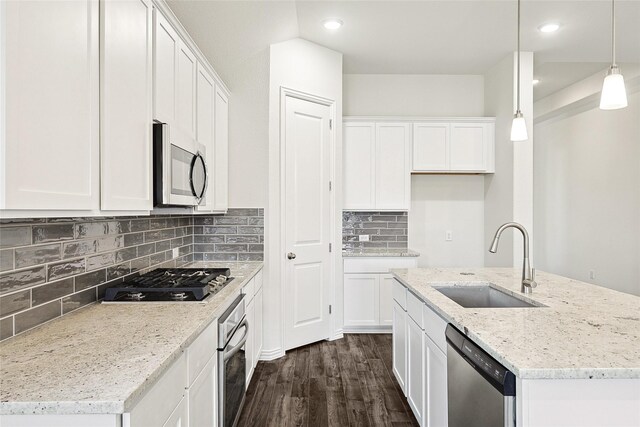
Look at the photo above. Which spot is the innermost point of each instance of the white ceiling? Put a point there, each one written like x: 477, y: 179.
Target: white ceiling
x: 421, y: 37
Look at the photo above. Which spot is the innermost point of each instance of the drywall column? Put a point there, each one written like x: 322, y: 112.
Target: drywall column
x: 509, y: 192
x: 306, y: 67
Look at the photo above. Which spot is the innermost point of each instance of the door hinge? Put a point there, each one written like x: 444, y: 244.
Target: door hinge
x: 329, y: 308
x: 329, y: 247
x: 329, y: 185
x: 330, y: 124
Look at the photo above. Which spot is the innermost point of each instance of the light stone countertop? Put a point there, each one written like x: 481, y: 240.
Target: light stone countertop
x: 378, y: 252
x: 103, y: 358
x: 585, y: 331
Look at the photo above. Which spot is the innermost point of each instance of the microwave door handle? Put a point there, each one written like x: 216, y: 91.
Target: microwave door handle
x: 234, y: 350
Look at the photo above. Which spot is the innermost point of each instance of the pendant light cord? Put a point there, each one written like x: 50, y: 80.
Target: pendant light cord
x: 613, y: 33
x: 518, y: 66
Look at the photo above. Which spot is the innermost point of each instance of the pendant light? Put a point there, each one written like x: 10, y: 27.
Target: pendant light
x: 519, y: 126
x: 614, y: 94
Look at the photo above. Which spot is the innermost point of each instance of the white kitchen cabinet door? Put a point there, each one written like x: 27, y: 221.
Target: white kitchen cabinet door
x: 359, y: 160
x: 361, y: 300
x: 126, y: 105
x: 179, y: 417
x: 431, y: 146
x: 258, y: 329
x: 202, y: 397
x: 415, y: 369
x: 249, y: 350
x: 467, y: 147
x: 386, y: 299
x: 165, y: 62
x: 435, y: 375
x: 392, y: 167
x: 49, y: 148
x: 399, y: 344
x: 221, y: 154
x: 184, y: 133
x: 205, y: 102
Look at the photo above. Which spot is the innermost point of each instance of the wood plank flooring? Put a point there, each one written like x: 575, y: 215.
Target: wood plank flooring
x: 347, y: 382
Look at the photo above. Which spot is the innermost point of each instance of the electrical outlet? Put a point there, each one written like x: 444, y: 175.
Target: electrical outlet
x: 448, y: 236
x: 175, y: 253
x: 363, y: 238
x: 592, y: 274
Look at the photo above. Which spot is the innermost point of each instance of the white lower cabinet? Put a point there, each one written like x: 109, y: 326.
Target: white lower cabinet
x: 179, y: 417
x: 202, y: 397
x: 399, y: 343
x: 249, y: 350
x: 415, y: 369
x: 254, y: 312
x: 435, y: 385
x: 257, y: 330
x: 361, y: 296
x: 386, y: 300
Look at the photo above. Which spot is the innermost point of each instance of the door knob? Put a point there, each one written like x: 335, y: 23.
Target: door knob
x: 291, y: 255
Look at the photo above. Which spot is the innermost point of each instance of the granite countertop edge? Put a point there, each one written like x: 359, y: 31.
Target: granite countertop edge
x: 116, y: 407
x: 523, y: 373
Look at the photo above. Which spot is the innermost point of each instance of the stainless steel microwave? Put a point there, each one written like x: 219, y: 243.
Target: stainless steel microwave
x: 180, y: 175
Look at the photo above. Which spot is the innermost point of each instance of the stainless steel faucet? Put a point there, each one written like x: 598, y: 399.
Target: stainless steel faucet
x: 528, y: 273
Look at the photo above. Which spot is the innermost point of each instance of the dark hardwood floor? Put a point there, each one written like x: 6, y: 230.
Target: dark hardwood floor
x: 347, y: 382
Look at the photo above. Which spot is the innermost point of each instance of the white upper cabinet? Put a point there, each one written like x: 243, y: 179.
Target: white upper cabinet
x: 431, y: 146
x: 126, y: 105
x: 458, y: 146
x: 376, y: 166
x: 205, y: 102
x: 359, y: 160
x: 49, y: 124
x: 220, y: 167
x: 184, y: 133
x: 393, y: 156
x: 165, y: 54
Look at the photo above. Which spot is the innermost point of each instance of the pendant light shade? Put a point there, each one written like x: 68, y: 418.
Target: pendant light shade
x: 519, y: 128
x: 614, y: 93
x: 519, y: 125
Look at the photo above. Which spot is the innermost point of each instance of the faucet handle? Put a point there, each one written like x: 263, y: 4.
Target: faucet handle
x: 532, y: 283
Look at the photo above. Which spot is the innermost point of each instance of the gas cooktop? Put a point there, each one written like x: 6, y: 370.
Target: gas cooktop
x: 171, y: 285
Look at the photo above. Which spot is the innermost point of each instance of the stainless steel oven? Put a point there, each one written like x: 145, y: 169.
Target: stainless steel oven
x: 233, y: 330
x: 180, y: 175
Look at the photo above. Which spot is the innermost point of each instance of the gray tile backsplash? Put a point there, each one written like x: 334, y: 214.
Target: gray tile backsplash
x: 50, y: 267
x: 236, y: 236
x: 385, y: 229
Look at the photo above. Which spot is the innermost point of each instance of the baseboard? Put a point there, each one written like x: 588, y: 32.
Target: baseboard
x: 272, y: 354
x: 337, y: 335
x: 379, y: 329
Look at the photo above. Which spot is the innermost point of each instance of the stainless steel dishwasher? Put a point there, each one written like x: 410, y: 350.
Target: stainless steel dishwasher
x: 480, y: 391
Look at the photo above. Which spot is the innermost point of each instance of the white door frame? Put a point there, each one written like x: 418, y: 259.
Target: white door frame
x: 333, y: 222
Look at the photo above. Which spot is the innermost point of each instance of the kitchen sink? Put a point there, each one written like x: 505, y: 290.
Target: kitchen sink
x: 483, y: 296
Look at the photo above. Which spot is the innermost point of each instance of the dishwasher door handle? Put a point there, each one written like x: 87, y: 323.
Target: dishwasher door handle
x: 229, y: 354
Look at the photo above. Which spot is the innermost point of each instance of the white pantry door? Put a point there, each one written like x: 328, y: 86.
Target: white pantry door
x: 307, y: 219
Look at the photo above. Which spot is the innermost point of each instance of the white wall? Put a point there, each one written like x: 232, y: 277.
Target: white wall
x: 509, y: 192
x: 438, y: 202
x: 303, y: 66
x: 587, y: 186
x: 413, y: 95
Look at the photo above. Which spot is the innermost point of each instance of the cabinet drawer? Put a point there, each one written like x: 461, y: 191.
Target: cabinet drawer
x: 400, y: 294
x: 249, y: 289
x: 434, y: 327
x: 201, y: 350
x: 415, y: 309
x: 377, y: 264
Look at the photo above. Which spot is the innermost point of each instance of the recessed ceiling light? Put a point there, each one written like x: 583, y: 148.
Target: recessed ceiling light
x: 535, y: 81
x: 332, y: 24
x: 549, y: 27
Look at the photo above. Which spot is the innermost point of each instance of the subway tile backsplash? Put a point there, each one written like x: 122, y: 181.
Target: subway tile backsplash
x: 54, y: 266
x: 385, y: 230
x: 236, y: 236
x: 50, y: 267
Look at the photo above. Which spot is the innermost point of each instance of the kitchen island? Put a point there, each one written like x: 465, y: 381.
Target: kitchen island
x: 575, y: 354
x: 93, y: 365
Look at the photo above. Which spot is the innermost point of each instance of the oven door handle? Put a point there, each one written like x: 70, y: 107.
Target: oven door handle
x: 228, y: 354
